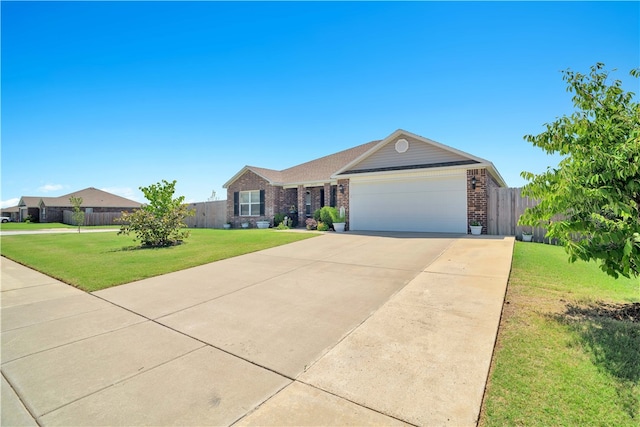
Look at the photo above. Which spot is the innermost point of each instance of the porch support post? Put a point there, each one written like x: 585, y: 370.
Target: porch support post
x: 301, y: 194
x: 327, y: 194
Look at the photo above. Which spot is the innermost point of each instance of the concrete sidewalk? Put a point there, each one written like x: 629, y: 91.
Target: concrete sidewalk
x: 349, y: 329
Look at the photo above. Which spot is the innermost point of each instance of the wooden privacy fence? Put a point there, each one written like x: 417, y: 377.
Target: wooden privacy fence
x: 208, y: 214
x: 503, y: 212
x: 92, y: 218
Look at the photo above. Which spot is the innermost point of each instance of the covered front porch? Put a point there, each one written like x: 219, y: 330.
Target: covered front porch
x: 301, y: 201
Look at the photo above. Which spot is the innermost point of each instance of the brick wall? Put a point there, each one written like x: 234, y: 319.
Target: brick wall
x: 249, y: 181
x: 290, y: 199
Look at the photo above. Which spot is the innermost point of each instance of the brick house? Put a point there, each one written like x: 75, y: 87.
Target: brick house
x: 404, y: 182
x: 50, y: 209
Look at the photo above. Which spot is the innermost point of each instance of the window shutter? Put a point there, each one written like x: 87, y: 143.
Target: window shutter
x: 261, y: 202
x: 322, y: 197
x: 236, y: 203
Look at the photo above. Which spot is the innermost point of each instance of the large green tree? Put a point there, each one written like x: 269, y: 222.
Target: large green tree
x: 591, y: 200
x: 161, y: 221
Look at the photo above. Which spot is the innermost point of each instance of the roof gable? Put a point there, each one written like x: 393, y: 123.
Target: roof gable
x: 425, y: 153
x: 404, y: 150
x: 32, y: 201
x: 271, y: 176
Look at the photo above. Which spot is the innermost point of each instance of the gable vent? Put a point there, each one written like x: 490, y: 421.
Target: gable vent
x: 402, y: 145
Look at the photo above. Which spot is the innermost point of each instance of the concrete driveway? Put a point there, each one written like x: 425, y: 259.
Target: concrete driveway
x: 342, y: 329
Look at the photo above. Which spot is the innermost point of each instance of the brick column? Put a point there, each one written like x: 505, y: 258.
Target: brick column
x: 301, y: 216
x: 477, y: 198
x: 343, y: 197
x: 327, y: 194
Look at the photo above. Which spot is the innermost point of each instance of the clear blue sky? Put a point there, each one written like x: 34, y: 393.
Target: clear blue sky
x: 118, y: 95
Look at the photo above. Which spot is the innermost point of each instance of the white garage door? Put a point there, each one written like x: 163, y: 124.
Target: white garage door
x: 432, y: 204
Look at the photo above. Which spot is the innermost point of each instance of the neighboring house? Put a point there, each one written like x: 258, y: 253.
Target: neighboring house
x: 11, y: 212
x: 50, y: 209
x: 404, y: 182
x: 29, y: 207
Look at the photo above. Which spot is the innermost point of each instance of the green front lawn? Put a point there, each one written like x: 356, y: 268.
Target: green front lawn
x: 30, y: 226
x: 35, y: 226
x: 93, y: 261
x: 564, y: 357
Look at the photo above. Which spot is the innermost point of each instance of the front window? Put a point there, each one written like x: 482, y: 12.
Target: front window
x: 250, y: 203
x: 307, y: 203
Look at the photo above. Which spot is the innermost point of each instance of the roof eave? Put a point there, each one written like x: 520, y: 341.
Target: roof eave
x: 481, y: 165
x: 313, y: 183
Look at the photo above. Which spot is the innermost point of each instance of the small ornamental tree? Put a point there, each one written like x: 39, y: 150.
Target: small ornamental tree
x: 161, y: 221
x: 591, y: 201
x: 78, y: 214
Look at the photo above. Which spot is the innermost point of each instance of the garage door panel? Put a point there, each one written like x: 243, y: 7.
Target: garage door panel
x: 426, y: 204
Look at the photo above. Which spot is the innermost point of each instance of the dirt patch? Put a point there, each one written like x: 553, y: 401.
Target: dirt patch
x: 622, y: 312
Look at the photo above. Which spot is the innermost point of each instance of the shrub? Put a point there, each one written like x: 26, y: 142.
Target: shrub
x: 160, y: 222
x: 312, y: 224
x: 327, y: 215
x: 277, y: 219
x: 316, y: 215
x: 323, y: 227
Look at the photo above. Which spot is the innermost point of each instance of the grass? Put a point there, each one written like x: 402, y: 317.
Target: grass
x: 12, y: 226
x: 33, y: 226
x: 557, y: 362
x: 93, y: 261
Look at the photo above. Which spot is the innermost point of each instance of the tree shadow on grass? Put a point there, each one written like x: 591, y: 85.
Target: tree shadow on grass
x: 146, y: 248
x: 611, y: 333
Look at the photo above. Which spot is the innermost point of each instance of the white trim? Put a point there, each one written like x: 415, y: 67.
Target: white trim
x: 401, y: 175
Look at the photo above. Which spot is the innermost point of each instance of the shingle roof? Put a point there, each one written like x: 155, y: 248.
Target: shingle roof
x: 328, y: 168
x: 92, y: 197
x: 316, y: 170
x: 31, y: 201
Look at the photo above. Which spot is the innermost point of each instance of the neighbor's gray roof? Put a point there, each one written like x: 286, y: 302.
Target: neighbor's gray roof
x: 31, y: 201
x: 92, y: 198
x: 317, y: 170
